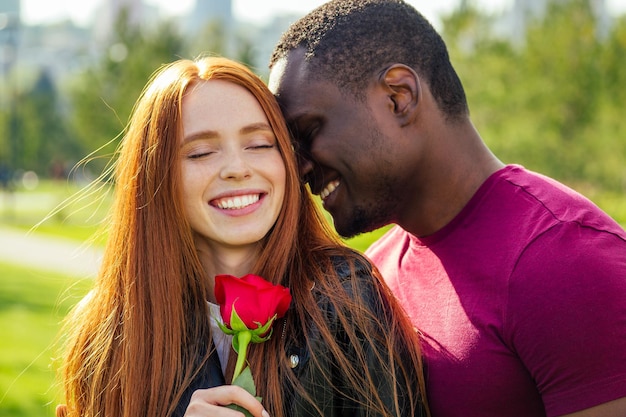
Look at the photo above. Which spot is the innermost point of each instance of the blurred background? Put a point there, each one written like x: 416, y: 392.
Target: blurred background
x: 545, y: 82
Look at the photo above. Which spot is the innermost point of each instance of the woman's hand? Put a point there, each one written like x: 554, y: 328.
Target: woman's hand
x: 213, y: 401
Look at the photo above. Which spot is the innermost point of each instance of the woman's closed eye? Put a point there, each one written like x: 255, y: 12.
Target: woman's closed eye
x: 199, y: 151
x: 199, y: 154
x: 264, y: 146
x: 259, y: 142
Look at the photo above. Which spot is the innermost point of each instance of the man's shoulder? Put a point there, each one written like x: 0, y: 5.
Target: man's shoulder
x: 559, y: 201
x: 395, y: 237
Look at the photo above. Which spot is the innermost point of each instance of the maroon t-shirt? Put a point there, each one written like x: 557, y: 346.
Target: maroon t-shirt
x: 521, y: 300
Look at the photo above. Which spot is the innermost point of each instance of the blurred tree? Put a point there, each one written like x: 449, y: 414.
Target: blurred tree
x: 213, y: 39
x: 561, y: 58
x: 467, y: 30
x: 33, y: 130
x: 486, y: 64
x: 104, y: 95
x: 245, y: 51
x: 549, y: 103
x: 609, y: 131
x: 37, y: 132
x: 575, y: 75
x: 612, y: 59
x: 4, y: 136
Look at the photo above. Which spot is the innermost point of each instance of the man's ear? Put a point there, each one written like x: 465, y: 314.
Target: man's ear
x: 403, y: 88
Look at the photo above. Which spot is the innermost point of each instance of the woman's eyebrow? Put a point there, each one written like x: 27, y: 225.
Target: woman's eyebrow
x: 210, y: 134
x: 255, y: 127
x: 204, y: 134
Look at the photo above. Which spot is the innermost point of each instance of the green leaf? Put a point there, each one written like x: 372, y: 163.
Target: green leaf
x: 245, y: 381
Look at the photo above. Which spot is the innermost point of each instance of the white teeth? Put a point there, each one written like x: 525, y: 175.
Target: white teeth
x: 237, y: 202
x: 330, y: 187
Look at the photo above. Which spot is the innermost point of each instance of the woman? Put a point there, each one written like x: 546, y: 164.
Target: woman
x: 207, y: 184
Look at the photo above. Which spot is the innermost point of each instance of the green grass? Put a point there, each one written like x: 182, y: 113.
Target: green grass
x: 363, y: 241
x: 56, y: 208
x: 32, y: 305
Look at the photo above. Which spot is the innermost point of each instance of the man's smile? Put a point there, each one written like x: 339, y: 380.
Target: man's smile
x: 330, y: 187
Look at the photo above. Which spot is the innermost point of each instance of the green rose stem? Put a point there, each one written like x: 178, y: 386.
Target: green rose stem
x: 243, y: 339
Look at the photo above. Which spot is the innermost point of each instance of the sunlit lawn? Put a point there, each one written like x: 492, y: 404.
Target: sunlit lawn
x: 32, y: 305
x: 56, y: 209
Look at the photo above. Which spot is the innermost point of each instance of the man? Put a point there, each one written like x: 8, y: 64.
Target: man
x: 516, y: 283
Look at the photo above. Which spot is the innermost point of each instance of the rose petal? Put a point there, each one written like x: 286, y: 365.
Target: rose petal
x: 257, y: 281
x: 256, y: 299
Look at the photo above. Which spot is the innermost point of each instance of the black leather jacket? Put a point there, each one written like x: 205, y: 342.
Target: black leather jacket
x: 332, y: 402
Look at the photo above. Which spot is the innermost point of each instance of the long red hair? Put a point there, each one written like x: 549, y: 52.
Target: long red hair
x: 137, y: 341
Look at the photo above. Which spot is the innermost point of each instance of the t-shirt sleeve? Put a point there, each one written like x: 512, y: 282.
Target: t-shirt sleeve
x: 566, y: 316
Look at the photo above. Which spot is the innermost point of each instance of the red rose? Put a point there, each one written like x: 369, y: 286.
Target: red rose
x: 249, y: 306
x: 255, y: 299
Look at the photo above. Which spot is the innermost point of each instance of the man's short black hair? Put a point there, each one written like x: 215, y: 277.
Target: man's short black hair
x: 346, y: 41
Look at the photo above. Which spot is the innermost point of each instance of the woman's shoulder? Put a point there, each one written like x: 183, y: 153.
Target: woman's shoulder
x: 353, y: 275
x: 349, y: 261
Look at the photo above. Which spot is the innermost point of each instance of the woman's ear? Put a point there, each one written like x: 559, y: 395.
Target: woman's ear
x: 403, y: 88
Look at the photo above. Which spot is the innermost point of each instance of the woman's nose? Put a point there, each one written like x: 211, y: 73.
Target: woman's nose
x: 235, y: 166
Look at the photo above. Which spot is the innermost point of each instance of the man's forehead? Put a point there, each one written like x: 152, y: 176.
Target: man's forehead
x: 276, y: 73
x: 290, y: 69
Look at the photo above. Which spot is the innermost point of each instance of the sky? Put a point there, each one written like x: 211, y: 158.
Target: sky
x: 80, y: 11
x: 259, y: 11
